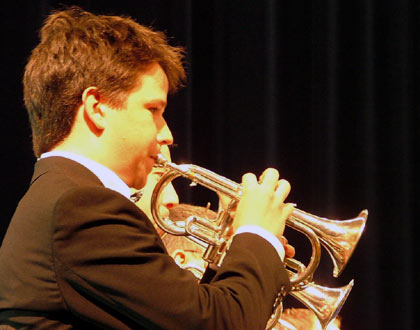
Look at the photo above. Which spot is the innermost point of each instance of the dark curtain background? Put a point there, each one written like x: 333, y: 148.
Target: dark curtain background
x: 325, y: 91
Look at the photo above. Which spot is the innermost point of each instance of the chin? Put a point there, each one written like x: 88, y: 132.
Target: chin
x: 139, y: 181
x: 138, y: 185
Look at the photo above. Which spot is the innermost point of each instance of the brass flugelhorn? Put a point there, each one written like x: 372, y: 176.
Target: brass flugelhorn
x: 339, y: 238
x: 325, y: 302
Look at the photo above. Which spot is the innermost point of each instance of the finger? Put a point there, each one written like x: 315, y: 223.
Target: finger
x: 284, y: 240
x: 289, y: 251
x: 249, y: 180
x: 283, y: 190
x: 287, y: 210
x: 269, y: 179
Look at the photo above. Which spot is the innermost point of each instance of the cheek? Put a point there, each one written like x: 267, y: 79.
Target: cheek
x: 140, y: 130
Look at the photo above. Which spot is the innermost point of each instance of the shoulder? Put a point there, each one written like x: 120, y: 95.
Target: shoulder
x: 90, y: 202
x: 67, y: 170
x: 93, y: 216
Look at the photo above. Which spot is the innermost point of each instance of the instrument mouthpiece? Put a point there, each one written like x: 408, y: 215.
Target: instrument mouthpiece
x: 161, y: 161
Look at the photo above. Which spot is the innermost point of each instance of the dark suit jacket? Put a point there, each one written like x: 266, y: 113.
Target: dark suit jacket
x: 77, y: 254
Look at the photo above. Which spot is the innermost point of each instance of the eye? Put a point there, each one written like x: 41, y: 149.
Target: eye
x: 153, y: 109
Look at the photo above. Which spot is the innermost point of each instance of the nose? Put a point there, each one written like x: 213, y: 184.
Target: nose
x: 164, y: 136
x: 168, y: 199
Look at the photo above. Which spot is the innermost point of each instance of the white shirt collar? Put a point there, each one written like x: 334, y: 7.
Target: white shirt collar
x: 108, y: 178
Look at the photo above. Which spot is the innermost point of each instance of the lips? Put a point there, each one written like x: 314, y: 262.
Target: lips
x: 154, y: 158
x: 154, y: 154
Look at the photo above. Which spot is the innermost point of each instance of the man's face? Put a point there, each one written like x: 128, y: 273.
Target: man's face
x: 136, y: 132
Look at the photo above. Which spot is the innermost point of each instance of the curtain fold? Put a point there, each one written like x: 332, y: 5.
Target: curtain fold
x: 325, y: 91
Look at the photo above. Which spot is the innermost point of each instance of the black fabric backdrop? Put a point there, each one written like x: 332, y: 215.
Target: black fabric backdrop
x: 325, y: 91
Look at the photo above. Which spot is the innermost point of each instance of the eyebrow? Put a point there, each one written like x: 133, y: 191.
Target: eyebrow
x: 162, y: 104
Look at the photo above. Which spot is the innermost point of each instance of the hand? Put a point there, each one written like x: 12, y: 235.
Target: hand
x: 262, y: 203
x: 288, y: 249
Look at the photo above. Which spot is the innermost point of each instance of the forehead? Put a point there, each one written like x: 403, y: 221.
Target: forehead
x: 151, y: 89
x: 152, y: 85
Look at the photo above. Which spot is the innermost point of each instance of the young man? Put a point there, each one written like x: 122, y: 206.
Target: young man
x: 78, y: 252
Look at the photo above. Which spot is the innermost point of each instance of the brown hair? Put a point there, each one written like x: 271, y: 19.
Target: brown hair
x: 79, y: 49
x: 182, y: 212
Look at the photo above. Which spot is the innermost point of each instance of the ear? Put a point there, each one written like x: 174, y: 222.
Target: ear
x: 93, y: 108
x: 179, y: 257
